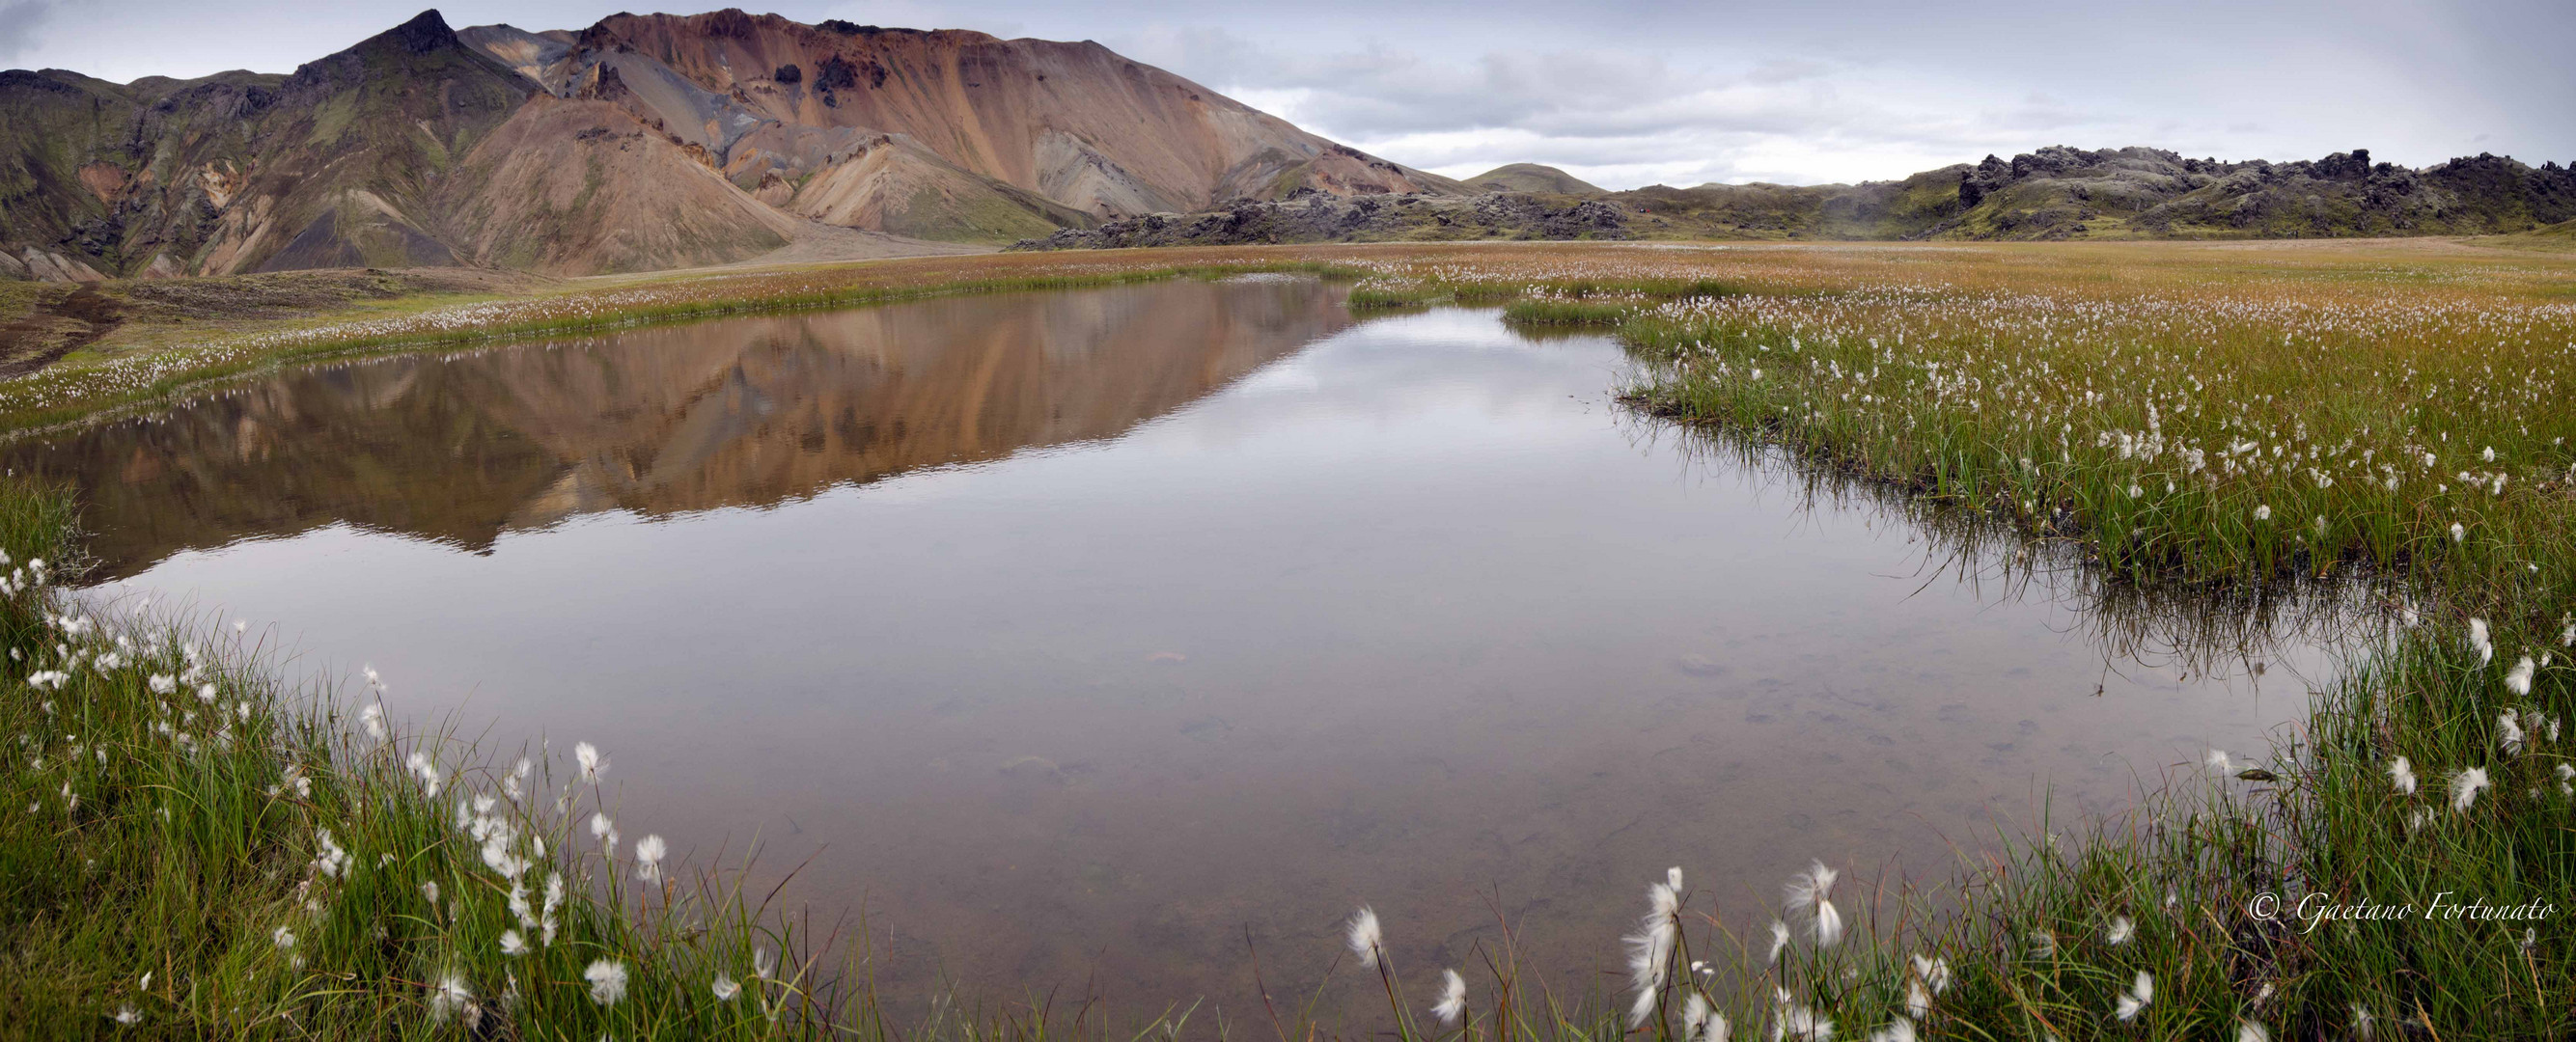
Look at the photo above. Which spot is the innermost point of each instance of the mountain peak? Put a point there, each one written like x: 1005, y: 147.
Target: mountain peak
x: 426, y: 32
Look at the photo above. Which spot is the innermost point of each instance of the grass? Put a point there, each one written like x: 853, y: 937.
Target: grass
x: 2189, y: 421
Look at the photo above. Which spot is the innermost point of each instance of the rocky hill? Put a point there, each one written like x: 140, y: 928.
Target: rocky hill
x: 641, y: 142
x: 2054, y: 193
x: 1532, y: 177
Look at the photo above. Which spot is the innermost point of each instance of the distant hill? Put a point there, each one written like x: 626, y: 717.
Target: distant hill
x: 1532, y: 177
x: 2054, y: 193
x: 641, y: 142
x: 2065, y: 193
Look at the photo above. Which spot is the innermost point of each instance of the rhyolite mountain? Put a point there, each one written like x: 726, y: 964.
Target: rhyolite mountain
x: 641, y: 142
x: 658, y: 141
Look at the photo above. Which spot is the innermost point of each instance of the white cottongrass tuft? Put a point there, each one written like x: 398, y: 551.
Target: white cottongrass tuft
x: 2263, y: 513
x: 2120, y: 932
x: 648, y: 858
x: 592, y: 764
x: 2509, y: 734
x: 2401, y: 774
x: 1702, y: 1022
x: 1898, y: 1030
x: 2136, y: 998
x: 450, y: 997
x: 2217, y: 761
x: 127, y: 1016
x: 726, y: 988
x: 2479, y: 643
x: 512, y: 944
x: 2249, y: 1031
x: 283, y: 938
x: 1934, y: 971
x: 2465, y: 786
x: 1810, y: 900
x: 1918, y: 1001
x: 1650, y: 951
x: 1453, y: 997
x: 1779, y: 940
x: 2519, y: 679
x: 1364, y: 936
x: 607, y: 979
x: 1792, y: 1020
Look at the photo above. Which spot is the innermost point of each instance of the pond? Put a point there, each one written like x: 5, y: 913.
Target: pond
x: 1101, y: 638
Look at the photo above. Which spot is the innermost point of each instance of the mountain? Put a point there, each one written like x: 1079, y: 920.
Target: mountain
x: 641, y: 142
x: 2061, y: 193
x: 1532, y: 177
x: 2054, y: 193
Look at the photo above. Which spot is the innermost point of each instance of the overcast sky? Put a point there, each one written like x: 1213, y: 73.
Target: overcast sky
x: 1634, y: 93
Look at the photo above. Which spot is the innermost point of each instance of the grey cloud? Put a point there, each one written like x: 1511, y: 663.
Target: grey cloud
x: 18, y: 24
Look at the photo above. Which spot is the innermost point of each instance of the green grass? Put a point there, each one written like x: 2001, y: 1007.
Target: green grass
x: 2184, y: 438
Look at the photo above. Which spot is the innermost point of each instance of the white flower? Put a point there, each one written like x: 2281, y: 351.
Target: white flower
x: 1810, y: 898
x: 512, y: 944
x: 373, y: 717
x: 2465, y: 786
x: 726, y: 988
x: 2217, y: 761
x: 162, y: 684
x: 1898, y: 1030
x: 1702, y: 1022
x: 2478, y: 641
x: 449, y: 997
x: 1934, y: 971
x: 283, y: 938
x: 2519, y: 679
x: 2137, y: 997
x: 1453, y: 997
x: 1364, y: 936
x: 2263, y: 513
x: 1918, y: 1002
x: 607, y: 979
x: 2360, y: 1021
x: 2459, y: 532
x: 2249, y: 1031
x: 2121, y: 929
x: 648, y: 858
x: 2402, y: 775
x: 592, y: 764
x: 127, y: 1016
x: 2509, y: 733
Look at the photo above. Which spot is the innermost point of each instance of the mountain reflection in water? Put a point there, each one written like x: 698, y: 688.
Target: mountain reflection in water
x: 666, y: 420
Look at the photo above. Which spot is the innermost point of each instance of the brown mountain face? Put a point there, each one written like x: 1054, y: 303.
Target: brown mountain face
x: 642, y: 142
x: 740, y: 412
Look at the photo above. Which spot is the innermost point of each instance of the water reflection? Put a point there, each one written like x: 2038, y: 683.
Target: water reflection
x: 1412, y: 615
x: 661, y: 421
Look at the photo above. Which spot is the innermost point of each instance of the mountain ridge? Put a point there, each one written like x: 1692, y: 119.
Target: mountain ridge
x: 658, y: 141
x: 640, y: 142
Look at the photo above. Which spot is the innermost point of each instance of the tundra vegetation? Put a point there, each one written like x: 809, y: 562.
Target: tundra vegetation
x: 205, y: 848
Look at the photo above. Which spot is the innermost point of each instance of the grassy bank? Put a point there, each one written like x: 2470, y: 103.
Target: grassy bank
x: 194, y: 849
x: 2220, y: 432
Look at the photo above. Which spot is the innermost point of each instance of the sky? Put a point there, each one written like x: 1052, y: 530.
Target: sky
x: 1625, y: 93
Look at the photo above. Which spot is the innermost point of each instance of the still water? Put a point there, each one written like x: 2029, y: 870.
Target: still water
x: 1091, y: 638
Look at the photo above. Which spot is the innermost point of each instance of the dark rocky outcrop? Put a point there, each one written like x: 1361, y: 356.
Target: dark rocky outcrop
x: 1316, y: 217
